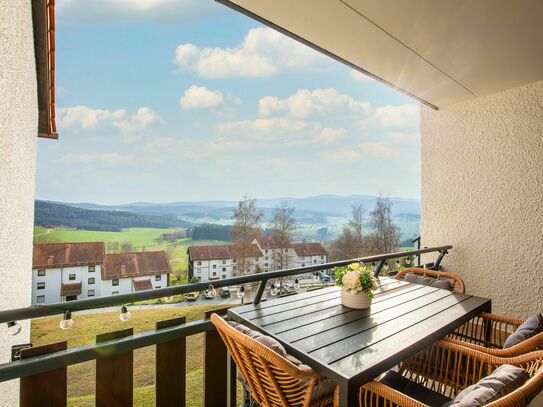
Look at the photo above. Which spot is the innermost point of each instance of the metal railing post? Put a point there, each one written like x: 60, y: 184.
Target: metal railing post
x: 260, y: 292
x: 437, y: 263
x: 378, y: 268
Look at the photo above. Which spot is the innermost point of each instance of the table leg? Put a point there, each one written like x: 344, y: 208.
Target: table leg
x: 348, y: 395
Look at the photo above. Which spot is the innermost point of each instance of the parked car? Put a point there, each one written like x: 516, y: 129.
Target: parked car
x: 224, y: 292
x: 209, y: 294
x: 289, y: 288
x: 192, y: 296
x: 325, y: 278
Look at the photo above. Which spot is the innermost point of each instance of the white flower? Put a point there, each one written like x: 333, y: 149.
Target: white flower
x: 351, y: 281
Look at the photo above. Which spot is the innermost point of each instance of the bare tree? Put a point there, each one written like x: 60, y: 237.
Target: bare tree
x: 384, y: 236
x: 282, y: 226
x: 247, y: 219
x: 351, y: 243
x: 356, y: 223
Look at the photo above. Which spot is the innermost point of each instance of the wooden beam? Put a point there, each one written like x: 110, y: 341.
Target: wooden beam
x: 115, y: 374
x: 171, y: 366
x: 48, y: 389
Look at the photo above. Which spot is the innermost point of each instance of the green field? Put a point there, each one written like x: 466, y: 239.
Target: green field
x: 143, y: 239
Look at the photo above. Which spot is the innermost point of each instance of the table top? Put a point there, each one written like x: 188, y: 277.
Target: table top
x: 355, y: 346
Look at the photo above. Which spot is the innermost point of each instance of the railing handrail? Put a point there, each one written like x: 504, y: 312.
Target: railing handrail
x: 44, y: 363
x: 38, y: 311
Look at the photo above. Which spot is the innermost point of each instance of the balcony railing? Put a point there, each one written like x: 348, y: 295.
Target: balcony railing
x: 43, y: 369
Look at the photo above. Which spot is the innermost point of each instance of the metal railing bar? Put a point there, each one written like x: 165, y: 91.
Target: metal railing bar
x: 44, y: 363
x: 99, y: 302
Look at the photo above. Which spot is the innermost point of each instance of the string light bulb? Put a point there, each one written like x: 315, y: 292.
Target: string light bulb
x: 386, y: 266
x: 14, y: 328
x: 241, y: 292
x: 67, y: 320
x: 125, y: 314
x: 273, y: 290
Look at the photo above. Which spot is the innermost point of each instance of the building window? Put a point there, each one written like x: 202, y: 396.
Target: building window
x: 233, y: 261
x: 158, y: 278
x: 214, y: 274
x: 115, y: 282
x: 41, y: 286
x: 91, y: 280
x: 214, y: 266
x: 266, y: 251
x: 322, y: 257
x: 265, y: 264
x: 224, y: 269
x: 303, y: 264
x: 90, y: 293
x: 315, y: 261
x: 40, y: 299
x: 224, y: 262
x: 198, y: 271
x: 157, y: 286
x: 198, y: 263
x: 266, y: 258
x: 71, y: 276
x: 114, y: 292
x: 41, y: 273
x: 91, y: 269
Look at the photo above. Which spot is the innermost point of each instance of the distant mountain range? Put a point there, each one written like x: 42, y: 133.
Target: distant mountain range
x: 316, y: 210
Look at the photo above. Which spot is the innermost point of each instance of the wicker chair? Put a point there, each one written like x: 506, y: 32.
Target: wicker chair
x: 457, y: 282
x: 448, y: 368
x: 488, y: 332
x: 273, y: 380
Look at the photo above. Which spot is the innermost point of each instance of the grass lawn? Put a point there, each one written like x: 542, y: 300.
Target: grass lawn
x: 81, y: 377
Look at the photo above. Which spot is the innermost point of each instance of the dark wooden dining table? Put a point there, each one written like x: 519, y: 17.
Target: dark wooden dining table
x: 350, y: 346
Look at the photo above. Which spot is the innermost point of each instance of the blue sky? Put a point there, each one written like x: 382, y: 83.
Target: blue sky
x: 170, y: 100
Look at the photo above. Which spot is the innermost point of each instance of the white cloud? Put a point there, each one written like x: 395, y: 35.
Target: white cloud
x: 360, y: 152
x: 359, y: 76
x: 405, y: 138
x: 397, y: 116
x: 262, y: 53
x: 319, y: 102
x: 85, y: 117
x: 331, y: 136
x: 198, y: 97
x: 271, y: 129
x: 139, y: 122
x: 157, y: 11
x: 109, y: 159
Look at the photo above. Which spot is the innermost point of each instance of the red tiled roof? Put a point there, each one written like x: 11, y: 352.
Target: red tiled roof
x: 127, y: 265
x: 309, y: 249
x: 269, y: 242
x: 70, y: 289
x: 67, y: 255
x: 217, y: 252
x: 142, y: 285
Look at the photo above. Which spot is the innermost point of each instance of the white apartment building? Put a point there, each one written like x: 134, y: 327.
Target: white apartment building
x: 72, y: 271
x: 208, y: 263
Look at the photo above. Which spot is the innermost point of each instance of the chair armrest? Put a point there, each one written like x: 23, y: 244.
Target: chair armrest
x: 377, y: 394
x: 487, y: 330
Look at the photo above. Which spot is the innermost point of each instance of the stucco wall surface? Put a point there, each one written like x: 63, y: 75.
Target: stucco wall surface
x: 18, y: 129
x: 482, y: 192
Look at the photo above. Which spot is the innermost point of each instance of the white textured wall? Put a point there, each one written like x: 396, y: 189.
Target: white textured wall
x: 18, y: 129
x: 482, y: 192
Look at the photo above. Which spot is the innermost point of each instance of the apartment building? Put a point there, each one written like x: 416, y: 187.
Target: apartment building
x: 208, y: 263
x: 72, y: 271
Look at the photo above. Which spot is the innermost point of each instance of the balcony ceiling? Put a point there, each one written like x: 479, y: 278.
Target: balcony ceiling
x: 440, y: 52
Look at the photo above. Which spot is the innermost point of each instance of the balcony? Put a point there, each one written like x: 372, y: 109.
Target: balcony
x: 44, y: 370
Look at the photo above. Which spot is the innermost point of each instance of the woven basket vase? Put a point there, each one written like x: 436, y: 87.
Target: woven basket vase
x: 359, y: 300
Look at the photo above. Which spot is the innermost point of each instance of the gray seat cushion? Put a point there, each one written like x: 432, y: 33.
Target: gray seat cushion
x: 499, y: 383
x: 414, y: 390
x: 265, y: 340
x: 429, y: 281
x: 532, y: 326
